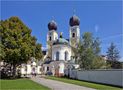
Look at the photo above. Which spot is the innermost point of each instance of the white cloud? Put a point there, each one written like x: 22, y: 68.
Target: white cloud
x: 113, y: 36
x: 96, y: 28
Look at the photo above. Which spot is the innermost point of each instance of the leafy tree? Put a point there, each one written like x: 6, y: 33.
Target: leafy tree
x: 113, y: 56
x: 96, y: 46
x: 89, y: 52
x: 100, y: 63
x: 2, y: 53
x: 38, y: 51
x: 17, y: 42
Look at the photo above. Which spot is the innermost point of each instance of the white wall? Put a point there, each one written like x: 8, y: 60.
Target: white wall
x: 23, y: 71
x: 53, y: 34
x: 113, y: 77
x: 61, y: 68
x: 39, y: 70
x: 76, y: 30
x: 61, y: 49
x: 29, y: 69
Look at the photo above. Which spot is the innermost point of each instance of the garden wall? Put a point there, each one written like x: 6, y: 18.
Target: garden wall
x: 112, y: 77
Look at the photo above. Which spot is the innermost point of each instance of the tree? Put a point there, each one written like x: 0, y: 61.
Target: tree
x: 113, y: 56
x: 113, y: 53
x: 18, y: 43
x: 38, y: 51
x: 100, y: 63
x: 96, y: 46
x: 2, y: 53
x: 89, y: 52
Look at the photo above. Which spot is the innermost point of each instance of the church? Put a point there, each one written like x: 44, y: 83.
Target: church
x: 60, y: 53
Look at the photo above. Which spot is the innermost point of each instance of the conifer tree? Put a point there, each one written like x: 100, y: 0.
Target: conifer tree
x: 113, y: 56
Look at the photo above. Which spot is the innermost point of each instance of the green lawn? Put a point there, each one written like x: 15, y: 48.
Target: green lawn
x: 86, y: 84
x: 21, y: 84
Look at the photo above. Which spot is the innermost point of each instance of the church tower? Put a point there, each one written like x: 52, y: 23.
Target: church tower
x: 51, y: 36
x: 74, y: 31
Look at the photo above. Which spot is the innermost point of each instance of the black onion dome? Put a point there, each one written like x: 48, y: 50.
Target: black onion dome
x: 52, y: 25
x: 74, y: 20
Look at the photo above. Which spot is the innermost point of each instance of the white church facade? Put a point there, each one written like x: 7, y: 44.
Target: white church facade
x: 59, y: 54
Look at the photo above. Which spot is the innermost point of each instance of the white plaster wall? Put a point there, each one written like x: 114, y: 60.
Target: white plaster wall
x: 23, y: 70
x: 53, y: 34
x: 39, y: 70
x: 29, y: 69
x: 34, y: 63
x: 112, y: 77
x: 45, y: 68
x: 61, y: 49
x: 76, y: 31
x: 61, y: 68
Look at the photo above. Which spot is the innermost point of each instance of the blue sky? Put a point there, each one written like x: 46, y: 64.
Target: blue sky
x: 102, y: 18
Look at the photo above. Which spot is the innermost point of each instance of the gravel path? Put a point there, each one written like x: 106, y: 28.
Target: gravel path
x: 57, y: 85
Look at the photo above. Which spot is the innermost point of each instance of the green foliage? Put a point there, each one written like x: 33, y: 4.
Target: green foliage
x: 89, y: 53
x: 38, y: 52
x: 100, y: 63
x: 2, y: 53
x: 17, y: 43
x: 113, y: 53
x: 96, y: 46
x: 113, y: 57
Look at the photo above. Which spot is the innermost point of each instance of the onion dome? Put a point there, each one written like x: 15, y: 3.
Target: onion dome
x: 74, y: 20
x: 52, y: 25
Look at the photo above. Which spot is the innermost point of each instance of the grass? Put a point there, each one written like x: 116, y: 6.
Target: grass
x: 21, y: 84
x: 86, y: 84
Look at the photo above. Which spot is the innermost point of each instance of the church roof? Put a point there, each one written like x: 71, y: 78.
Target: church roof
x: 52, y: 25
x: 74, y: 20
x: 47, y: 62
x: 61, y: 41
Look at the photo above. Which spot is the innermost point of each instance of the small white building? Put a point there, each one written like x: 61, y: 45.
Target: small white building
x: 32, y: 67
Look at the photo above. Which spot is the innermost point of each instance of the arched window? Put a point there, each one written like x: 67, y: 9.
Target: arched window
x: 47, y: 68
x: 73, y: 35
x: 50, y: 38
x: 57, y: 56
x: 66, y: 55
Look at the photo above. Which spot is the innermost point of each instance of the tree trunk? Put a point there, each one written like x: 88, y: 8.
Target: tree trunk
x: 14, y: 71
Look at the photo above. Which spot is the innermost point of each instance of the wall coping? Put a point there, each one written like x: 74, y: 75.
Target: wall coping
x: 101, y: 70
